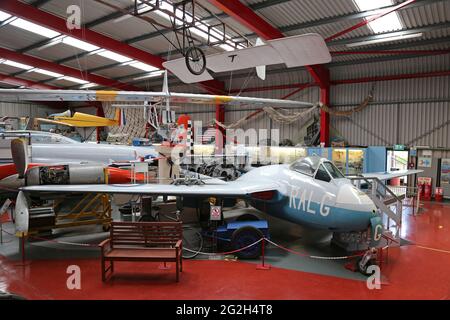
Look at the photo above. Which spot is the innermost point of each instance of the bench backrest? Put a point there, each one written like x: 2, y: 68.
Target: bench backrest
x: 145, y: 234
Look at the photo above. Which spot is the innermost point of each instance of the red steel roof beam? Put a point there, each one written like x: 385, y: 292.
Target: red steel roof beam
x: 58, y: 24
x: 393, y: 52
x: 394, y: 77
x: 67, y: 71
x: 26, y: 83
x: 367, y: 21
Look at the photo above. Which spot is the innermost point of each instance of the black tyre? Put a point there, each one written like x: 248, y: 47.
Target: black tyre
x: 147, y: 218
x: 243, y: 237
x: 247, y: 217
x: 192, y: 242
x: 363, y: 270
x: 195, y: 60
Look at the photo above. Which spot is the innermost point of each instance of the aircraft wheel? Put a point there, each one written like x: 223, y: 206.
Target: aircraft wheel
x: 195, y: 60
x: 247, y: 217
x: 106, y: 227
x: 243, y: 237
x: 363, y: 269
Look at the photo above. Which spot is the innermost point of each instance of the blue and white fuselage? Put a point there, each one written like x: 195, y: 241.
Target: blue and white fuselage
x: 300, y: 198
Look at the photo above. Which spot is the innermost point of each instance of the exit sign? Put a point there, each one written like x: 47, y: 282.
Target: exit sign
x: 399, y: 147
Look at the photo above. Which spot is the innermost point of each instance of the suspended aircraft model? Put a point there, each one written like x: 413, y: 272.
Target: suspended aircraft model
x: 81, y: 120
x: 294, y: 51
x: 156, y: 105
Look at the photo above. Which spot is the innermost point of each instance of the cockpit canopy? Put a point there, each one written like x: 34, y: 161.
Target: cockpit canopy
x: 317, y: 167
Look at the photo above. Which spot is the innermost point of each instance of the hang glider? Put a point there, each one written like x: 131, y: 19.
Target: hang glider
x: 134, y: 96
x: 81, y: 120
x: 295, y: 51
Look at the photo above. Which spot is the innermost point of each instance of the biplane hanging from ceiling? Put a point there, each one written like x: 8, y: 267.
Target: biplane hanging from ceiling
x: 240, y: 53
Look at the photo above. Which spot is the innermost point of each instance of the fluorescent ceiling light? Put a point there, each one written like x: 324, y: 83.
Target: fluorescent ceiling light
x: 113, y: 56
x: 201, y: 29
x: 35, y: 28
x: 151, y: 75
x: 142, y: 66
x: 4, y: 16
x: 390, y: 22
x: 48, y: 73
x: 76, y: 80
x: 386, y: 39
x: 88, y: 85
x: 79, y: 44
x: 17, y: 65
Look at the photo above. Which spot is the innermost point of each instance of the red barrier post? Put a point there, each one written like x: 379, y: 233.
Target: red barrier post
x: 22, y: 242
x: 263, y: 266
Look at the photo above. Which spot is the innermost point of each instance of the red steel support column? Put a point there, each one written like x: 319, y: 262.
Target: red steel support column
x: 322, y: 76
x: 100, y: 113
x: 220, y: 132
x: 248, y: 18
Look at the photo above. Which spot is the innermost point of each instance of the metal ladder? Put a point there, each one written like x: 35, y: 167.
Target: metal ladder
x: 384, y: 199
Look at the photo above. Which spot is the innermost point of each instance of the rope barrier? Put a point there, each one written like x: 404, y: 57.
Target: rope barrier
x: 56, y: 241
x: 225, y: 253
x: 310, y: 256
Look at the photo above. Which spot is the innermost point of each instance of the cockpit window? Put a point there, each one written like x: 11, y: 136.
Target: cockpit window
x: 306, y: 165
x: 322, y: 174
x: 335, y: 173
x: 50, y: 139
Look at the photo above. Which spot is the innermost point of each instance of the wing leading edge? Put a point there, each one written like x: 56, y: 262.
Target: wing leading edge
x: 136, y: 96
x: 391, y: 174
x: 231, y: 189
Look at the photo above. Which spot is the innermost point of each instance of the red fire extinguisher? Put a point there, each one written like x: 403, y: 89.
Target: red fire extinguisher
x: 427, y: 192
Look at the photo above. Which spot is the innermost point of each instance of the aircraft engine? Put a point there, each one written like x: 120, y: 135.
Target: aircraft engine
x: 65, y: 174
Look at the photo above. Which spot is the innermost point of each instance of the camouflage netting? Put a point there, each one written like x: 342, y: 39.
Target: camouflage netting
x: 134, y: 126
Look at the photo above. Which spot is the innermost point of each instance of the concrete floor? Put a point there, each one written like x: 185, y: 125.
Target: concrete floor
x: 418, y: 270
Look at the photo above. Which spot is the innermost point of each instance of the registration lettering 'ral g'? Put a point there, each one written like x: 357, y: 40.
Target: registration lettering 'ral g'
x: 302, y: 200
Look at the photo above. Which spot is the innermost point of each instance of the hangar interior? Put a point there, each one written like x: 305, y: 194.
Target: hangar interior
x: 374, y: 118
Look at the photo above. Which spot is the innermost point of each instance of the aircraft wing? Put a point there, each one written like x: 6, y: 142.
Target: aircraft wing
x: 133, y: 96
x: 294, y: 51
x: 391, y: 174
x: 53, y: 122
x: 82, y: 120
x: 230, y: 189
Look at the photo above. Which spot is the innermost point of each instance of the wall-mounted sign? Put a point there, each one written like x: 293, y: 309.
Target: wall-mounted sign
x: 445, y: 171
x: 424, y: 162
x: 216, y: 213
x: 399, y: 147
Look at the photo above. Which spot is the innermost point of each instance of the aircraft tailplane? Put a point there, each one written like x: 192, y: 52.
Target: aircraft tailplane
x: 260, y: 70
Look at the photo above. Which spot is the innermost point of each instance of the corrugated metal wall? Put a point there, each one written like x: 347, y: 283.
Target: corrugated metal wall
x: 20, y: 109
x: 411, y: 111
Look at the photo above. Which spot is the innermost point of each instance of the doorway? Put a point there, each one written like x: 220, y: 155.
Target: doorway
x: 397, y: 160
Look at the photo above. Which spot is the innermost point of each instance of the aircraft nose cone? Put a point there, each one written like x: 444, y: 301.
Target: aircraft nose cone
x: 354, y: 199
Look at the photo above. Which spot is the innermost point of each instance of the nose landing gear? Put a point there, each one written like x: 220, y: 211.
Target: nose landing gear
x: 368, y: 259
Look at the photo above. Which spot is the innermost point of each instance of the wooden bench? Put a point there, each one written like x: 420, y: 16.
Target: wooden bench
x: 143, y: 241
